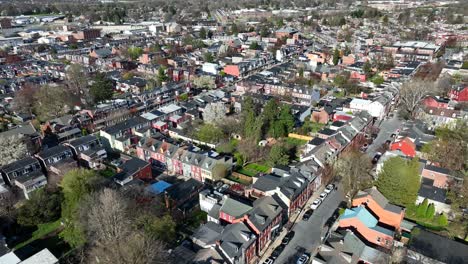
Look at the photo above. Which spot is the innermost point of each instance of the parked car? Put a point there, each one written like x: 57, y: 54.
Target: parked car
x: 303, y: 259
x: 376, y: 157
x: 288, y: 238
x: 307, y: 215
x: 278, y: 250
x: 323, y: 195
x: 329, y: 188
x: 316, y: 204
x: 268, y: 261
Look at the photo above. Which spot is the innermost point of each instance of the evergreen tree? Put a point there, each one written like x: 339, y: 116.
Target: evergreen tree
x: 430, y: 212
x: 202, y: 33
x: 442, y: 220
x: 252, y: 129
x: 422, y: 208
x: 336, y: 56
x: 399, y: 181
x: 286, y: 118
x: 102, y: 88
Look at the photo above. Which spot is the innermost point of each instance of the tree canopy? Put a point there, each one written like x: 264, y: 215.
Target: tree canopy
x: 399, y: 181
x: 102, y: 89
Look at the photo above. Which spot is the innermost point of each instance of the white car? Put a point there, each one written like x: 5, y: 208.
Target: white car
x: 329, y: 188
x: 316, y: 204
x: 268, y: 261
x: 323, y: 195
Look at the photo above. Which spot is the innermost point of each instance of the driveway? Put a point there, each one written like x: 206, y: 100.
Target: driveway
x: 387, y: 128
x: 308, y: 233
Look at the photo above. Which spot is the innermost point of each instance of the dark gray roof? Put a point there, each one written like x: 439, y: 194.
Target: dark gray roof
x: 235, y: 238
x: 130, y: 123
x: 316, y: 141
x: 207, y: 234
x: 432, y: 193
x: 133, y: 165
x: 184, y: 189
x: 438, y: 247
x: 437, y: 169
x: 53, y: 151
x: 21, y: 130
x: 83, y: 140
x: 19, y: 164
x: 265, y: 210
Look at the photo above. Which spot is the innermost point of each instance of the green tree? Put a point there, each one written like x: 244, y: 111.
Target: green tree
x: 422, y: 209
x: 42, y: 207
x: 162, y: 75
x: 208, y: 57
x: 160, y: 228
x: 202, y: 33
x: 249, y: 119
x: 399, y: 181
x: 270, y: 111
x: 210, y: 133
x: 134, y: 52
x: 336, y: 56
x: 102, y: 88
x: 377, y: 80
x: 278, y: 156
x: 234, y: 29
x: 286, y: 118
x: 254, y: 46
x: 430, y: 212
x: 76, y: 185
x: 367, y: 68
x: 442, y: 220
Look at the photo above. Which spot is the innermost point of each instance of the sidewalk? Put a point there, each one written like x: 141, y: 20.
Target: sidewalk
x: 292, y: 222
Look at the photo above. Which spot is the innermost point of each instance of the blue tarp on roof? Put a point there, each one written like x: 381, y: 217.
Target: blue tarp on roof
x: 159, y: 187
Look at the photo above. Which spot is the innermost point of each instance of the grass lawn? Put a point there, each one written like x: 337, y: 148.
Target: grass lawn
x: 296, y: 142
x: 258, y: 167
x: 253, y: 168
x: 42, y: 230
x: 247, y: 172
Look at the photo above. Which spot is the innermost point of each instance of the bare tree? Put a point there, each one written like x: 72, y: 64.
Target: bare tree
x: 108, y: 217
x: 204, y: 82
x: 249, y: 152
x: 353, y: 168
x: 214, y: 113
x: 412, y: 94
x: 11, y: 149
x: 25, y: 98
x: 77, y: 81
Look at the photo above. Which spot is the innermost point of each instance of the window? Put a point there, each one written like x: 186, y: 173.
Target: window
x: 378, y: 239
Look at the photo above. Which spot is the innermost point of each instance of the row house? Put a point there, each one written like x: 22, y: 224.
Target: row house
x: 237, y: 244
x: 436, y: 102
x: 26, y: 174
x: 459, y: 93
x: 437, y: 117
x: 135, y: 85
x: 133, y: 168
x: 122, y: 135
x: 55, y: 155
x: 294, y: 186
x: 88, y: 150
x: 181, y: 160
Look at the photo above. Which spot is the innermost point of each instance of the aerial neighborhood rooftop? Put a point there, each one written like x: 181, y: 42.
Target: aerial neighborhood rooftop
x: 251, y: 132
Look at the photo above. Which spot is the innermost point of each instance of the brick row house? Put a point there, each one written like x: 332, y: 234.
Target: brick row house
x: 190, y: 162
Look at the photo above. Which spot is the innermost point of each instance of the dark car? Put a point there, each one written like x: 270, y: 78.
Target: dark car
x: 307, y: 215
x: 288, y: 237
x: 278, y: 250
x: 376, y: 158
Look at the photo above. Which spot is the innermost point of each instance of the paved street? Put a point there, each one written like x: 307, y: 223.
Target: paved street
x: 308, y: 233
x: 387, y: 128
